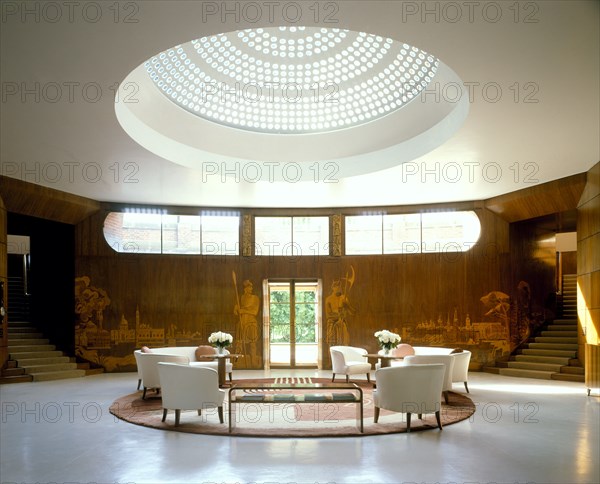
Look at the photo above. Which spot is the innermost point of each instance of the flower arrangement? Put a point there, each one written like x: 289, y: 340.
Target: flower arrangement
x: 387, y: 340
x: 220, y: 340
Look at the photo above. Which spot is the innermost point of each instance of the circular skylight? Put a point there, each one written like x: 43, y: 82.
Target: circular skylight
x: 292, y: 80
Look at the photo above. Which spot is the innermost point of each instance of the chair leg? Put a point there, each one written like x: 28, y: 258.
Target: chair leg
x: 408, y: 422
x: 144, y: 394
x: 333, y: 378
x: 139, y: 383
x: 376, y: 415
x: 347, y: 378
x: 466, y: 387
x: 230, y: 376
x: 438, y: 418
x: 445, y: 397
x: 177, y: 415
x: 420, y: 416
x: 368, y: 378
x: 220, y: 410
x: 164, y: 414
x: 199, y: 412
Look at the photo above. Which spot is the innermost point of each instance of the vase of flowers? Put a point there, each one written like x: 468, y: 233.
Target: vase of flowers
x: 220, y: 341
x: 387, y: 340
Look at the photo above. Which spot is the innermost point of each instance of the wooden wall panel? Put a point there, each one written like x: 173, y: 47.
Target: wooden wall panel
x: 544, y: 199
x: 26, y: 198
x: 4, y: 281
x: 430, y: 299
x: 588, y: 272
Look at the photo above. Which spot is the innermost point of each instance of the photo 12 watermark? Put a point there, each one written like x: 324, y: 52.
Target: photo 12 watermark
x: 70, y: 11
x: 68, y: 172
x: 273, y: 12
x: 443, y: 11
x: 54, y: 92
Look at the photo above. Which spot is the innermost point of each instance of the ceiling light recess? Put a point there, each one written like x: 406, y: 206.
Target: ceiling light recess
x: 300, y: 95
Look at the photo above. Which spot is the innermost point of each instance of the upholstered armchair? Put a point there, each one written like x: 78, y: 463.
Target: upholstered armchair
x: 148, y: 370
x: 187, y: 387
x: 409, y: 389
x: 447, y: 360
x: 348, y: 360
x: 460, y: 373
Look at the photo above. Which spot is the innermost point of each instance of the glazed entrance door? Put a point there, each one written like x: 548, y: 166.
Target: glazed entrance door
x: 294, y: 309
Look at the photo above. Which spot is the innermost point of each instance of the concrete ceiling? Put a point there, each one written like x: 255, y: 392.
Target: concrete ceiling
x: 531, y: 69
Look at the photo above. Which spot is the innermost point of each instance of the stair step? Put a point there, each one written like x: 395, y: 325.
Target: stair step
x: 527, y: 365
x: 568, y: 377
x: 24, y: 335
x: 55, y: 360
x: 540, y: 375
x: 554, y: 333
x: 559, y: 328
x: 553, y: 346
x: 57, y: 375
x: 15, y: 379
x: 27, y: 341
x: 557, y: 360
x: 491, y: 369
x: 545, y: 352
x: 21, y: 329
x: 566, y: 321
x: 573, y: 370
x: 31, y: 369
x: 556, y: 340
x: 29, y: 348
x: 25, y: 355
x: 13, y: 372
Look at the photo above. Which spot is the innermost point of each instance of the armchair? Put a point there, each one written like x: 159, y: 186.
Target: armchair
x: 409, y: 389
x: 348, y: 360
x: 447, y: 360
x: 148, y: 368
x: 187, y: 387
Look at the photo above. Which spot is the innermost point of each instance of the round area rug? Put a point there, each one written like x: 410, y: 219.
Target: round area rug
x: 257, y: 419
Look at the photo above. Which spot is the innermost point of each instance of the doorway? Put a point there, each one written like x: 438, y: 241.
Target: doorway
x: 293, y: 323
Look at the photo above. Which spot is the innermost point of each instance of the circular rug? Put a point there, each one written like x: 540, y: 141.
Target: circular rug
x: 255, y: 419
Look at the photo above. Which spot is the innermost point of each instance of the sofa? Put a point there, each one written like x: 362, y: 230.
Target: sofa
x: 458, y: 371
x: 183, y: 355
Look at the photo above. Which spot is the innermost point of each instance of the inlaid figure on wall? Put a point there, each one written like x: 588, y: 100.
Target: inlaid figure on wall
x: 337, y: 308
x: 247, y: 308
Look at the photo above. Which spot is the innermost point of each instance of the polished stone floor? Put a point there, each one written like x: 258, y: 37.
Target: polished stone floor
x: 524, y: 431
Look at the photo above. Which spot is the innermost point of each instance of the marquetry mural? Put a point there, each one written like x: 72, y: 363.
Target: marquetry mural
x: 246, y: 309
x: 473, y: 300
x: 338, y: 309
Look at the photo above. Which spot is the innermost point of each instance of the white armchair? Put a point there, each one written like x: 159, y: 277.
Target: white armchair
x: 148, y: 369
x: 348, y: 360
x: 447, y: 360
x: 409, y: 389
x: 187, y: 387
x: 460, y: 374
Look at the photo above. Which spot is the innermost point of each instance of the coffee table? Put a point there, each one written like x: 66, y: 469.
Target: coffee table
x: 386, y: 360
x: 298, y: 393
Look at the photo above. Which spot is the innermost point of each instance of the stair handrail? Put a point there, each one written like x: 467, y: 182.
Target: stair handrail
x: 26, y: 264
